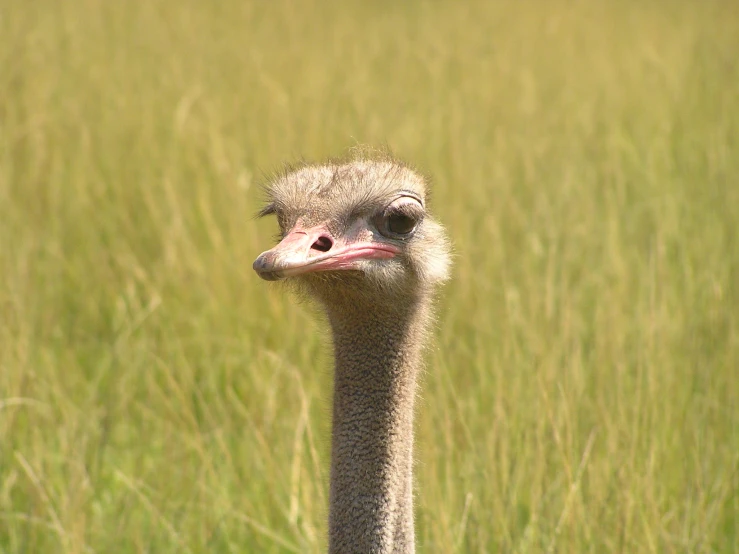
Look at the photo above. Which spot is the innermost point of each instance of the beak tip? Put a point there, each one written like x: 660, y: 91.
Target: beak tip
x: 258, y: 264
x: 265, y: 269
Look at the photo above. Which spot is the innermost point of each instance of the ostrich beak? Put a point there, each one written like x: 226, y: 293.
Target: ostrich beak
x: 314, y: 249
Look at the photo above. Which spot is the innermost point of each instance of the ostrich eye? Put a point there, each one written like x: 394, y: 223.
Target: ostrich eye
x: 400, y: 223
x: 400, y: 219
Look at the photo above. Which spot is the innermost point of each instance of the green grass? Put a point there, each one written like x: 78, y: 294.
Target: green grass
x: 582, y: 392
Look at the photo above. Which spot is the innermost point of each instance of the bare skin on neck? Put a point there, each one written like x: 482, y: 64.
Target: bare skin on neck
x: 357, y: 237
x: 372, y: 455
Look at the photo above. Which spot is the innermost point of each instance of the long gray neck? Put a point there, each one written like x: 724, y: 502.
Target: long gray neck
x: 377, y: 354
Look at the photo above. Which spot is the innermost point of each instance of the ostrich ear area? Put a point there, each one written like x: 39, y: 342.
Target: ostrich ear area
x: 315, y: 249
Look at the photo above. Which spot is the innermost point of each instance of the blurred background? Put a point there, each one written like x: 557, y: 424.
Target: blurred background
x: 582, y: 387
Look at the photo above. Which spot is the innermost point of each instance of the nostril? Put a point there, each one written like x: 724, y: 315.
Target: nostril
x: 323, y: 244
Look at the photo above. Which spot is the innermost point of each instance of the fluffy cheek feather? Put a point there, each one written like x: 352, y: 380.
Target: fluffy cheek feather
x: 388, y: 276
x: 432, y: 249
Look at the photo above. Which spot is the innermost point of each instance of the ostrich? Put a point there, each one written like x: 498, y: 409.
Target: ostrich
x: 356, y: 236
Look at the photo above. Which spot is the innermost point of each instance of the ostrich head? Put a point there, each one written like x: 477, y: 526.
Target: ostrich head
x: 355, y: 231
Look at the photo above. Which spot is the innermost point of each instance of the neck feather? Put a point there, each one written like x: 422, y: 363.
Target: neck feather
x: 377, y: 353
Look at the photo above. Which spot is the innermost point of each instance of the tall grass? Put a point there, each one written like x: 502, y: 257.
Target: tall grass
x: 582, y: 391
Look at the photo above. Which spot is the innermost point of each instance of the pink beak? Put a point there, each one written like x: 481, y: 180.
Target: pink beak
x: 307, y: 250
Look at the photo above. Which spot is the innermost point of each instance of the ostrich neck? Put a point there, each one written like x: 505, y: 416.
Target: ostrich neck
x: 377, y: 353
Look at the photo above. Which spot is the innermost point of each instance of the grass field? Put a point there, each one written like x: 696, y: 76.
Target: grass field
x: 582, y: 392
